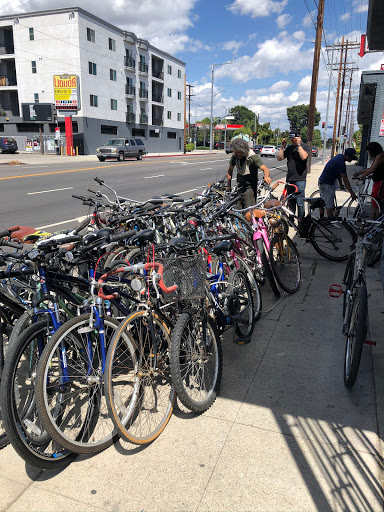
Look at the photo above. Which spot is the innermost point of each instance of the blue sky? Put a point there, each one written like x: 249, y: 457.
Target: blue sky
x: 270, y: 42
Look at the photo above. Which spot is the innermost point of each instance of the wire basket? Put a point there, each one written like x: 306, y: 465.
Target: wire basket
x: 188, y: 273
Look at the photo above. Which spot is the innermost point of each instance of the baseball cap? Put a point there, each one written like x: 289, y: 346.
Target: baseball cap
x: 294, y: 133
x: 350, y: 153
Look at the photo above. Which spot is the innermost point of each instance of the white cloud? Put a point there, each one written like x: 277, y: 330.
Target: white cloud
x: 233, y: 46
x: 173, y: 43
x: 283, y: 19
x: 362, y: 8
x: 294, y: 97
x: 257, y: 8
x: 280, y: 86
x: 305, y: 83
x: 309, y: 18
x: 345, y: 17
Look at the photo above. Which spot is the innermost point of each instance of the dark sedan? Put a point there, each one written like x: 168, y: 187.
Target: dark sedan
x: 8, y: 145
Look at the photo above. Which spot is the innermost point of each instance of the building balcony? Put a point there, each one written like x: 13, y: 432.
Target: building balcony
x: 7, y: 80
x: 157, y: 121
x: 9, y: 110
x: 143, y: 68
x: 129, y: 63
x: 158, y: 74
x: 130, y: 90
x: 158, y: 98
x: 131, y: 117
x: 143, y: 93
x: 7, y: 49
x: 143, y: 119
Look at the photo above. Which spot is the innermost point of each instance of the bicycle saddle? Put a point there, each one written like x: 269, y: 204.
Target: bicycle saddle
x: 223, y: 246
x: 147, y: 235
x: 255, y: 213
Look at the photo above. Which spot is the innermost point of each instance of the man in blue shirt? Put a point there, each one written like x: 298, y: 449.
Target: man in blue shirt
x: 331, y: 177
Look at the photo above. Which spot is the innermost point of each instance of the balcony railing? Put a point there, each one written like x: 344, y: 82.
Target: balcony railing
x: 143, y: 119
x: 131, y: 118
x: 9, y: 110
x: 129, y: 62
x: 158, y: 98
x: 143, y: 94
x: 157, y: 121
x: 7, y: 80
x: 130, y: 90
x: 158, y: 74
x: 143, y: 67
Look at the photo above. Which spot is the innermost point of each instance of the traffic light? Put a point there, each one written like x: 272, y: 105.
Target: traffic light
x: 323, y: 124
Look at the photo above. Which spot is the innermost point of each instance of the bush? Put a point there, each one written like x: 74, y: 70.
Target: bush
x: 202, y: 147
x: 189, y: 147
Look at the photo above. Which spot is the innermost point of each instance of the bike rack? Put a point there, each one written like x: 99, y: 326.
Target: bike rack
x: 335, y: 291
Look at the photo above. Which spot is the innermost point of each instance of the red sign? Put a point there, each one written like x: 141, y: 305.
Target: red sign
x: 229, y: 126
x: 382, y: 66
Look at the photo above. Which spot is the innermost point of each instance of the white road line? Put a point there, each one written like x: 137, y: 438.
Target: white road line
x: 78, y: 219
x: 150, y: 177
x: 46, y: 191
x: 206, y: 169
x: 187, y: 191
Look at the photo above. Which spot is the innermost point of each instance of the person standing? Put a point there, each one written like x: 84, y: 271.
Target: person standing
x: 335, y: 171
x: 247, y: 166
x: 296, y: 154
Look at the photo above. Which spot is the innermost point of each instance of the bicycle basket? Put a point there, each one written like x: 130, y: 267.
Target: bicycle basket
x: 189, y: 273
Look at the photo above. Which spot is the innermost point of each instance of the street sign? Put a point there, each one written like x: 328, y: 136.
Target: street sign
x: 66, y: 92
x: 39, y: 112
x: 229, y: 117
x: 382, y: 66
x: 381, y: 133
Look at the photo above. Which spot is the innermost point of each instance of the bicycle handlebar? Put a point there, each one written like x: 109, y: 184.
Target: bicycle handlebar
x: 9, y: 231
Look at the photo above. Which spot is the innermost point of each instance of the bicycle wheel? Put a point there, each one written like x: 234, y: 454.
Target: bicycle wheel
x: 348, y: 278
x: 332, y: 239
x: 285, y: 262
x: 5, y: 331
x: 360, y: 208
x: 22, y: 424
x: 241, y: 304
x: 69, y: 386
x: 357, y: 328
x: 196, y: 362
x: 267, y: 268
x: 138, y: 386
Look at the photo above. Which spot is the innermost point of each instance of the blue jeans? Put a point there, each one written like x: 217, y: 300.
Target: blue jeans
x: 298, y: 200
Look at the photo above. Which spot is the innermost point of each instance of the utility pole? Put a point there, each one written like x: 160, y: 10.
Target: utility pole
x: 189, y: 110
x: 315, y: 76
x: 185, y: 112
x: 339, y: 129
x: 337, y: 100
x: 327, y: 114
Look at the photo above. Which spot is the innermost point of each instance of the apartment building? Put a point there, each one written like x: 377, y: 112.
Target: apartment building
x: 127, y: 86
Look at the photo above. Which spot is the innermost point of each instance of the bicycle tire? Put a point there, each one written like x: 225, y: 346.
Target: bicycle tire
x: 6, y: 329
x: 355, y: 335
x: 348, y: 278
x: 18, y: 374
x: 140, y: 399
x: 267, y: 268
x: 75, y: 412
x: 196, y: 375
x: 241, y: 303
x: 361, y: 209
x: 332, y: 239
x: 285, y: 262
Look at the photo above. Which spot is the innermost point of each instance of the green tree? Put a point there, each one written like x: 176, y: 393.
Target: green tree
x: 357, y: 137
x: 244, y: 116
x: 317, y: 139
x: 298, y: 116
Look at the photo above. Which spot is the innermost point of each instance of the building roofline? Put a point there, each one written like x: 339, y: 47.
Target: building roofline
x: 89, y: 15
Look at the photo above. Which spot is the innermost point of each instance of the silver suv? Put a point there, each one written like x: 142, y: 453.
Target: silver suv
x: 121, y: 148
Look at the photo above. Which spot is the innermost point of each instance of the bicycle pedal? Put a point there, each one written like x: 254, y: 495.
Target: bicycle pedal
x: 242, y: 340
x: 335, y: 291
x: 370, y: 342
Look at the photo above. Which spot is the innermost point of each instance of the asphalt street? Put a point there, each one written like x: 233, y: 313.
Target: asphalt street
x: 41, y: 195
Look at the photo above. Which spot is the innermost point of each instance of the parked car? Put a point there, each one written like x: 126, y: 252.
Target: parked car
x: 8, y: 145
x: 315, y: 151
x: 257, y: 148
x: 269, y: 151
x: 121, y: 148
x: 219, y: 145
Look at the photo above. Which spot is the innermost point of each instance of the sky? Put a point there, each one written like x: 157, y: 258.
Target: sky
x: 262, y: 50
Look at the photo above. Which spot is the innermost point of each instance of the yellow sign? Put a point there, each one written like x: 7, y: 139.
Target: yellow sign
x: 66, y: 92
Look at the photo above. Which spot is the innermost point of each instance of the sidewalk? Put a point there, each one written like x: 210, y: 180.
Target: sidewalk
x: 284, y: 434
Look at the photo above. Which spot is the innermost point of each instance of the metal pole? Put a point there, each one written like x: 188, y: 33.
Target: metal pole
x: 210, y: 128
x: 327, y: 114
x: 337, y: 100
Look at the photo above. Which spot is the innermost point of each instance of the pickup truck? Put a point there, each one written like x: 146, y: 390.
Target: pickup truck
x: 121, y: 148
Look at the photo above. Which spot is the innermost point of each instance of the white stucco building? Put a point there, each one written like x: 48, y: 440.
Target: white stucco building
x: 127, y: 86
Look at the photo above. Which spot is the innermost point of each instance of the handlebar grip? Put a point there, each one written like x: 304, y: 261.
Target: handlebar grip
x: 91, y: 191
x: 14, y: 245
x: 82, y: 225
x: 61, y: 241
x: 7, y: 232
x: 82, y: 198
x: 99, y: 181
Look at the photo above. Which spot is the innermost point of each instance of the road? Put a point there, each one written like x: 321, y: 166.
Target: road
x: 41, y: 195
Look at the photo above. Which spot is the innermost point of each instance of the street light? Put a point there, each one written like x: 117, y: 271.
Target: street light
x: 210, y: 129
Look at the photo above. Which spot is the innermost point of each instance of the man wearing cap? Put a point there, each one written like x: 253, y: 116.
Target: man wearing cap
x: 331, y: 177
x: 296, y: 154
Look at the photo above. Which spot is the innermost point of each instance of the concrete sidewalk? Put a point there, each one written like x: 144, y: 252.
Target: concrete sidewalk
x: 284, y: 434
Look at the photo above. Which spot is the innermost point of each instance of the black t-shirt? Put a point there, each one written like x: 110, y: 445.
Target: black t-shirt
x: 378, y: 174
x: 254, y: 163
x: 297, y: 168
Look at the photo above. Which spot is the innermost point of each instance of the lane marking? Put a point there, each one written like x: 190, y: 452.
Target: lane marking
x: 78, y: 219
x: 206, y: 169
x: 187, y: 191
x: 46, y: 191
x: 157, y: 176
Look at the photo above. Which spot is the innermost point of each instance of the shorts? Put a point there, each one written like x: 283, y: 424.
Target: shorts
x: 378, y: 191
x: 327, y: 193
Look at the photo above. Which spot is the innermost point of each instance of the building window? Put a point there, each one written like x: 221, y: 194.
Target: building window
x: 108, y: 130
x: 179, y: 73
x: 169, y: 114
x: 26, y: 127
x: 154, y: 133
x: 33, y: 64
x: 179, y: 116
x: 169, y: 93
x: 113, y: 104
x: 31, y: 34
x: 36, y: 97
x: 91, y: 35
x: 112, y: 75
x: 138, y: 132
x: 179, y: 95
x: 169, y: 70
x: 92, y: 68
x: 171, y: 135
x: 93, y: 100
x: 52, y: 126
x: 112, y: 44
x: 1, y: 127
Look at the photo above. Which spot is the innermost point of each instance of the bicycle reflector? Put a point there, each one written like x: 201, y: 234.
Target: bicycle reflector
x: 335, y: 290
